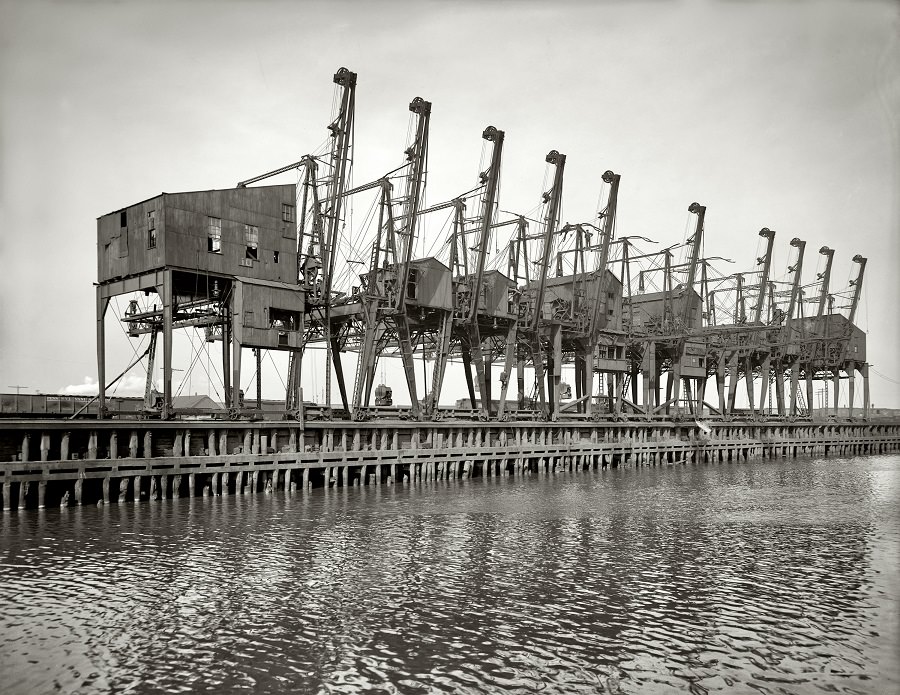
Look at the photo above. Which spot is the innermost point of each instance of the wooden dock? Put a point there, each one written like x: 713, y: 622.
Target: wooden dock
x: 53, y: 463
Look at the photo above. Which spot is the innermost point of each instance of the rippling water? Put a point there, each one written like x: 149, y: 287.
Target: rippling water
x: 755, y: 578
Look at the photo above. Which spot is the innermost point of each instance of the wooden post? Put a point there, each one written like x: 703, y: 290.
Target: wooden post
x: 79, y: 484
x: 191, y: 483
x: 136, y: 488
x: 152, y: 488
x: 148, y: 444
x: 92, y: 445
x: 113, y: 445
x: 305, y: 479
x: 106, y: 489
x: 45, y: 446
x: 133, y: 444
x: 123, y: 489
x: 42, y: 492
x: 64, y: 447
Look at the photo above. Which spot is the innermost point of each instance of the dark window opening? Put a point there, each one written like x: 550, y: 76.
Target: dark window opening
x: 251, y: 239
x: 412, y: 284
x: 123, y: 219
x: 287, y: 212
x: 151, y: 229
x: 214, y: 235
x: 275, y: 256
x: 284, y: 319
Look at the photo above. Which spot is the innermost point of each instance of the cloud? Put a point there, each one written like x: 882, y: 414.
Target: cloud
x: 88, y: 388
x: 131, y: 385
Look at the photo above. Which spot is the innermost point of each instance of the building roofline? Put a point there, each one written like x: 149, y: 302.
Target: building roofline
x: 163, y: 194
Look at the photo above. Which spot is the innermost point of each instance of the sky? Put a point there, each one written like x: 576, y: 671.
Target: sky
x: 783, y: 115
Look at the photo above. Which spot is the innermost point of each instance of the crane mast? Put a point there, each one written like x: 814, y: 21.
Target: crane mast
x: 417, y: 156
x: 825, y: 277
x: 472, y: 351
x: 492, y: 135
x: 342, y: 141
x: 796, y: 269
x: 608, y: 216
x: 696, y: 245
x: 857, y: 285
x: 553, y: 198
x: 766, y: 262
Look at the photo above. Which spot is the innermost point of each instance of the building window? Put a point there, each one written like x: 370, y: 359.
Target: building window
x: 251, y: 240
x: 287, y: 212
x: 151, y: 229
x: 275, y: 256
x: 412, y: 284
x: 284, y: 320
x: 214, y: 235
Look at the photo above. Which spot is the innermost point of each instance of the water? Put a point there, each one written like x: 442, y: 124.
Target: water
x: 765, y: 577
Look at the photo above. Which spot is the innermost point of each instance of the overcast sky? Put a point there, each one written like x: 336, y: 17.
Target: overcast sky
x: 782, y: 115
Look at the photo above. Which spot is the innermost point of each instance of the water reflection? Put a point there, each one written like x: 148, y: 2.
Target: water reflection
x: 764, y: 577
